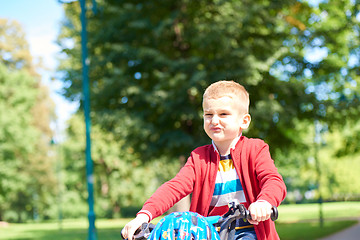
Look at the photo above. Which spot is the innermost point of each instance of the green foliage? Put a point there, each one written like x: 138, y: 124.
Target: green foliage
x: 26, y: 174
x: 122, y: 182
x: 340, y: 179
x: 153, y: 68
x: 14, y: 49
x: 148, y: 72
x: 22, y: 166
x: 16, y: 99
x: 336, y: 178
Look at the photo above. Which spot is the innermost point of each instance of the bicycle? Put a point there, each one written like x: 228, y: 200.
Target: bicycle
x: 225, y: 223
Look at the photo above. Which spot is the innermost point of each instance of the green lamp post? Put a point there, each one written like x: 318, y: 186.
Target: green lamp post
x: 86, y: 100
x: 86, y: 95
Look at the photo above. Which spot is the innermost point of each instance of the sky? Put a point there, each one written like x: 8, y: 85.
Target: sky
x: 41, y: 21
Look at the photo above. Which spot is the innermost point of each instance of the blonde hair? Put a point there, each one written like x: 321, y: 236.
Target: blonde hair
x: 230, y: 89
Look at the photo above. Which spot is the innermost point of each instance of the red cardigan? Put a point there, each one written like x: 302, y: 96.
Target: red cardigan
x: 258, y: 175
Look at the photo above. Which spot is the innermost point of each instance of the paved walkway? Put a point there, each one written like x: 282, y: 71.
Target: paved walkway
x: 352, y: 233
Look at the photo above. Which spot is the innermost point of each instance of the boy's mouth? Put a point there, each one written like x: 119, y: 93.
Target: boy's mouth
x: 215, y: 129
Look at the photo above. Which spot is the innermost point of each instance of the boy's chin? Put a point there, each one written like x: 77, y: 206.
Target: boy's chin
x: 218, y: 141
x: 216, y: 138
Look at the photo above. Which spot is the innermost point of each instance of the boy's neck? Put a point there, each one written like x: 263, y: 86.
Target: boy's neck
x: 223, y: 148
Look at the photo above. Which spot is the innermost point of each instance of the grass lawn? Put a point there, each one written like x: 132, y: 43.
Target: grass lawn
x: 310, y: 230
x: 305, y: 212
x: 69, y: 230
x: 295, y: 222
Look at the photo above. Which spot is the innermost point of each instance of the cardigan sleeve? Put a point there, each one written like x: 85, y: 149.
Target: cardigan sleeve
x: 270, y: 181
x: 171, y: 192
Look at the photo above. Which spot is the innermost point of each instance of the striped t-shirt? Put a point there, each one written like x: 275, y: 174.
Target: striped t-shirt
x: 227, y: 187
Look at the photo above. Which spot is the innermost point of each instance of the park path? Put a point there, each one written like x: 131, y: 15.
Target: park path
x: 352, y: 233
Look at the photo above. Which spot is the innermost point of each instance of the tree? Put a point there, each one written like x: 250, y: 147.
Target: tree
x: 21, y: 171
x: 148, y: 71
x: 155, y: 67
x: 120, y: 184
x: 26, y: 176
x: 14, y: 49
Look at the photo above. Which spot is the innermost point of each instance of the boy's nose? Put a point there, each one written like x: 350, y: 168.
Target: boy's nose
x: 215, y: 120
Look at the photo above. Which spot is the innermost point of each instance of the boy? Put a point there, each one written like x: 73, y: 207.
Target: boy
x: 233, y: 166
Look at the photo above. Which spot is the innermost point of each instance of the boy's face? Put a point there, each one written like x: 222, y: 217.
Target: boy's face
x: 223, y: 119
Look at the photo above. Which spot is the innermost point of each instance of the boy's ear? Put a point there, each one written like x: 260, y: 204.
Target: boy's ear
x: 246, y: 119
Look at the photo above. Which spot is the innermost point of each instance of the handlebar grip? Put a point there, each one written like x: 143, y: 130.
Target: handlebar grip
x: 274, y: 214
x: 143, y: 232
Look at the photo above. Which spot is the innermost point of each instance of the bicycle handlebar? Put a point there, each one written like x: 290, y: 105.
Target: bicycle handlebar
x: 227, y: 223
x: 224, y: 222
x: 235, y: 205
